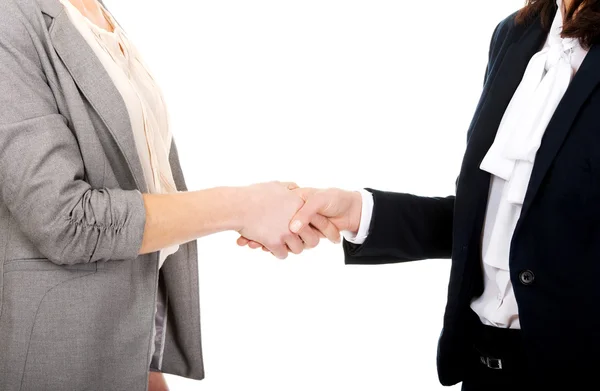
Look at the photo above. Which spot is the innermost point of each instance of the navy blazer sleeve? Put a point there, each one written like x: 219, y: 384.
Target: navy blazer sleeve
x: 406, y: 227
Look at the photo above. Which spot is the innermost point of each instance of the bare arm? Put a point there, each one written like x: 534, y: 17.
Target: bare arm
x: 261, y: 212
x: 178, y: 218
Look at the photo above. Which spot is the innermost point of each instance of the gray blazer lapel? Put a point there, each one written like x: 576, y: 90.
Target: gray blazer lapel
x: 52, y: 8
x: 176, y: 168
x: 97, y: 86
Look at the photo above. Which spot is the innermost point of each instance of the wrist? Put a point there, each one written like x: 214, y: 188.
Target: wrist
x: 234, y: 207
x: 355, y: 211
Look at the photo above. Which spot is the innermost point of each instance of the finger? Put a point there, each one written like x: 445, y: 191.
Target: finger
x: 326, y: 227
x: 242, y: 241
x: 319, y: 233
x: 310, y: 237
x: 311, y: 208
x: 266, y: 249
x: 279, y: 250
x: 254, y: 245
x: 294, y: 244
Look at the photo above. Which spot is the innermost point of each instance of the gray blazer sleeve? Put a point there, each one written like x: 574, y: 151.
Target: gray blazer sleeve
x: 42, y: 174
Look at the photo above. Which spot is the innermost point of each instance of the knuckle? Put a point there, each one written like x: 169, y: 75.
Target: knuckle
x: 292, y: 238
x: 310, y: 240
x: 305, y: 231
x: 310, y: 244
x: 319, y: 221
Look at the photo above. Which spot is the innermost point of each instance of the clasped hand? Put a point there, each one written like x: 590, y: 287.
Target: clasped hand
x: 283, y: 217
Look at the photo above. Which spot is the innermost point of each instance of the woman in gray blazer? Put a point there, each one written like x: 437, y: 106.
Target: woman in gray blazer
x: 83, y: 302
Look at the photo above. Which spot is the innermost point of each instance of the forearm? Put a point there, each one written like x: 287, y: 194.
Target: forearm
x: 181, y: 217
x: 405, y: 227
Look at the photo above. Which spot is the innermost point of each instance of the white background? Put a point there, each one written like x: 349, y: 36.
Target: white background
x: 326, y: 93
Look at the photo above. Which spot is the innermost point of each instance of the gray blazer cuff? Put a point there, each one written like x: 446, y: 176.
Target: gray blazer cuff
x: 123, y: 240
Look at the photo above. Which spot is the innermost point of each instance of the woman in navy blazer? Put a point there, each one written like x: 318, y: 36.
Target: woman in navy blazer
x: 555, y: 249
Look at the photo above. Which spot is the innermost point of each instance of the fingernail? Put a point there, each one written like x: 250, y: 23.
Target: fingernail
x: 296, y: 226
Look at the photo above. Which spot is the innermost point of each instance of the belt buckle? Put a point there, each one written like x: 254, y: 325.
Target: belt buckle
x: 490, y: 362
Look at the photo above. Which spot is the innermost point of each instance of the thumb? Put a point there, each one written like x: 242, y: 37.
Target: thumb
x: 303, y: 217
x: 305, y: 192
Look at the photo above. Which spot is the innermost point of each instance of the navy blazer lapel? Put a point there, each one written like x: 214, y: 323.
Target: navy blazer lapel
x: 504, y: 78
x: 499, y: 90
x: 94, y: 82
x: 584, y: 83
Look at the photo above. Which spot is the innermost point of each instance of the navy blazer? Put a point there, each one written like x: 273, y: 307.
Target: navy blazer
x: 555, y: 250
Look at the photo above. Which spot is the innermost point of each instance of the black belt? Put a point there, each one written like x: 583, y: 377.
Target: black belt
x: 499, y: 349
x: 497, y: 360
x: 490, y: 362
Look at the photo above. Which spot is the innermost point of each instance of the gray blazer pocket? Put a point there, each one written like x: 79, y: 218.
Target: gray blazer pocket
x: 37, y: 293
x: 38, y: 265
x: 43, y: 264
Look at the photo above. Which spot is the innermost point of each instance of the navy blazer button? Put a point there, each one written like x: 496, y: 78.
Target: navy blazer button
x: 526, y: 277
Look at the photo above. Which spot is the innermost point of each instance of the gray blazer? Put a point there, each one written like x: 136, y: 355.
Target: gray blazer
x: 77, y: 303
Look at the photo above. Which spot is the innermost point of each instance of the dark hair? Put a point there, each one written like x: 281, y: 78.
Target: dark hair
x: 582, y: 19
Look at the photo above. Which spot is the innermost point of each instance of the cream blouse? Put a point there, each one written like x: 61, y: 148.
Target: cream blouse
x: 144, y: 100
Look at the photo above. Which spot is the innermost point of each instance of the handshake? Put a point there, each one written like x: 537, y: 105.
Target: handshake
x: 282, y: 217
